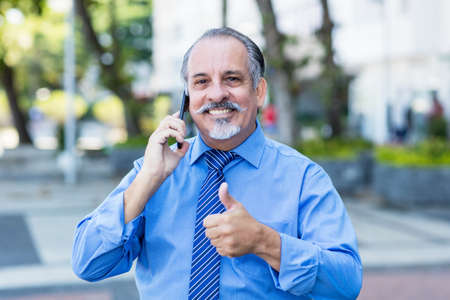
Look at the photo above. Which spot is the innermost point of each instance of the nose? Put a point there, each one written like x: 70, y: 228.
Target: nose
x: 217, y: 93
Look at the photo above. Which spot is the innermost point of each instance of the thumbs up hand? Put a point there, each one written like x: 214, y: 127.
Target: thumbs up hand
x: 234, y: 232
x: 227, y: 200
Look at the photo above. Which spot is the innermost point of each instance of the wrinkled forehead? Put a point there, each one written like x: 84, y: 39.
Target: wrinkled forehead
x: 218, y: 53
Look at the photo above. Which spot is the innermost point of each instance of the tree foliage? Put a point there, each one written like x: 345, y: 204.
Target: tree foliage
x: 16, y: 40
x: 333, y: 80
x: 118, y: 33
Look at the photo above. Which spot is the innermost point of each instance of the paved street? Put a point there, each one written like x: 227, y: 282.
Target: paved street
x: 406, y: 254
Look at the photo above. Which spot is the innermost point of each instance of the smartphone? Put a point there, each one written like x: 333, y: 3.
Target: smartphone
x: 184, y: 107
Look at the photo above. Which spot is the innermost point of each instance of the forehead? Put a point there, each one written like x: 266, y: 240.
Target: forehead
x: 218, y: 54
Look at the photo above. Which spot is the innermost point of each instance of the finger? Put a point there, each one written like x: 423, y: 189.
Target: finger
x: 220, y: 251
x: 212, y: 220
x: 176, y: 114
x: 213, y: 233
x: 163, y: 135
x: 227, y: 200
x: 173, y: 123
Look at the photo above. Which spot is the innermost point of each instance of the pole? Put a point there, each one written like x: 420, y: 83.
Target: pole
x: 224, y: 13
x: 69, y: 88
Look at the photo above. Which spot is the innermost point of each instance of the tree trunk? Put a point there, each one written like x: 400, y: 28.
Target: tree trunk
x: 114, y: 82
x: 334, y: 115
x: 283, y: 104
x: 7, y: 80
x: 331, y: 73
x: 326, y: 35
x: 282, y: 76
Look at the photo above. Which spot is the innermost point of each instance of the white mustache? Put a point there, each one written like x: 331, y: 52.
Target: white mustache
x: 225, y: 104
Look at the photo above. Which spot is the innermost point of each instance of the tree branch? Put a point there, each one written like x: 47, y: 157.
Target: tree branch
x: 88, y: 28
x: 7, y: 80
x: 325, y: 34
x: 112, y: 75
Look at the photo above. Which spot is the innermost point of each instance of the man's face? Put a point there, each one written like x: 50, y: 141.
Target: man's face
x: 223, y: 103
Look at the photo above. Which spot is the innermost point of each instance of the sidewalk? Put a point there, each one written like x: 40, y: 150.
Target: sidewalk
x: 39, y: 214
x: 390, y: 238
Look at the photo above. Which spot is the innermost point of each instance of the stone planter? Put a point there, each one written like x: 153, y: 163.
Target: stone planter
x: 28, y: 163
x: 349, y: 176
x: 406, y: 186
x: 122, y: 159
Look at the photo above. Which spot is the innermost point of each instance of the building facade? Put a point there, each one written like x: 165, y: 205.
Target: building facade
x: 397, y: 49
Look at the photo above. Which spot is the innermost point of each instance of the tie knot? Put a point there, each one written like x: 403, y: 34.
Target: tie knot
x: 217, y: 159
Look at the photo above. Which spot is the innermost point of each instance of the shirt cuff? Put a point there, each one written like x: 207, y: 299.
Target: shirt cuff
x: 110, y: 222
x: 298, y: 266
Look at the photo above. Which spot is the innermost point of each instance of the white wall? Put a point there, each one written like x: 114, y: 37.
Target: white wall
x: 397, y: 50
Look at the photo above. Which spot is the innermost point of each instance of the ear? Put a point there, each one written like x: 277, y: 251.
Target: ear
x: 261, y: 90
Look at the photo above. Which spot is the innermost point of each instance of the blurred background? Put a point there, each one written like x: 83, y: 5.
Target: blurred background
x: 360, y: 86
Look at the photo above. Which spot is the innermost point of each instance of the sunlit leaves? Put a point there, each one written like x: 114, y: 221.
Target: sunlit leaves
x: 110, y: 111
x: 55, y: 106
x: 4, y: 109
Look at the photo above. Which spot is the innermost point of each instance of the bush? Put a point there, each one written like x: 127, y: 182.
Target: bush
x: 437, y: 128
x: 336, y: 148
x: 139, y: 141
x: 429, y: 153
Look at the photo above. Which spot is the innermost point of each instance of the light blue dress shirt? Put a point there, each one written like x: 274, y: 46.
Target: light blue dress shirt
x: 277, y: 185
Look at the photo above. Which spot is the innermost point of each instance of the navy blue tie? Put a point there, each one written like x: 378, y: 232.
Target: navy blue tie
x: 205, y: 267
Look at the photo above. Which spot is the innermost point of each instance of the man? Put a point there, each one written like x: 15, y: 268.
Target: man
x: 230, y: 214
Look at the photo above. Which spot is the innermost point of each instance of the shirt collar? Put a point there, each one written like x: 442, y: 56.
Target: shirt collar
x: 251, y: 149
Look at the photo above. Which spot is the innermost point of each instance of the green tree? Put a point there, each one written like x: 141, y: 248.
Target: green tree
x: 285, y: 85
x: 125, y: 29
x: 334, y: 81
x: 31, y: 49
x: 15, y: 40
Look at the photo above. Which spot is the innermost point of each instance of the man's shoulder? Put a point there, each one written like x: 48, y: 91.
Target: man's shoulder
x: 290, y: 157
x: 286, y: 151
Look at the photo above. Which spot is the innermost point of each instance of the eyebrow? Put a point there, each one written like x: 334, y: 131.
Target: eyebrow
x: 229, y: 72
x: 199, y: 75
x: 234, y: 72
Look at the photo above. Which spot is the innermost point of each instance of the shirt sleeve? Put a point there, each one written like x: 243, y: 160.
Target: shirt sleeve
x: 104, y: 245
x: 323, y: 260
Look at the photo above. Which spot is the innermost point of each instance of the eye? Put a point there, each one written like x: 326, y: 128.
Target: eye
x: 200, y: 81
x: 233, y: 79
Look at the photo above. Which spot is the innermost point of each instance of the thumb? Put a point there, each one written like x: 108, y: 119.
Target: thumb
x: 227, y: 200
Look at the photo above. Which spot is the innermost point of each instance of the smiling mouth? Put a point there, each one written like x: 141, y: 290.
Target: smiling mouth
x: 219, y: 111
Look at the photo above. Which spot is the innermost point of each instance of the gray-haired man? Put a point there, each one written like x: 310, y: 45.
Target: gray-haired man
x: 232, y: 214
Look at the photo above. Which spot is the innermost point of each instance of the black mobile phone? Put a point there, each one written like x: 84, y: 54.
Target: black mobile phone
x: 184, y: 107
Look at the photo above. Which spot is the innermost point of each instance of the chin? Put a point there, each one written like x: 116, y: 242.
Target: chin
x: 223, y: 130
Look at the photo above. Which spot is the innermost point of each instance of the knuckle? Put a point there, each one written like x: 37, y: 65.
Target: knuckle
x: 226, y: 219
x: 227, y: 229
x: 229, y: 243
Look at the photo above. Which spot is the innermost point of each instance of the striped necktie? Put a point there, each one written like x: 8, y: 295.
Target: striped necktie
x: 205, y: 267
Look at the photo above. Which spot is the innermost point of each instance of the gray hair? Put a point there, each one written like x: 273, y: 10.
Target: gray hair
x: 255, y: 57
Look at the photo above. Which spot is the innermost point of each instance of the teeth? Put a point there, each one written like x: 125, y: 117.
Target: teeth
x: 219, y: 111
